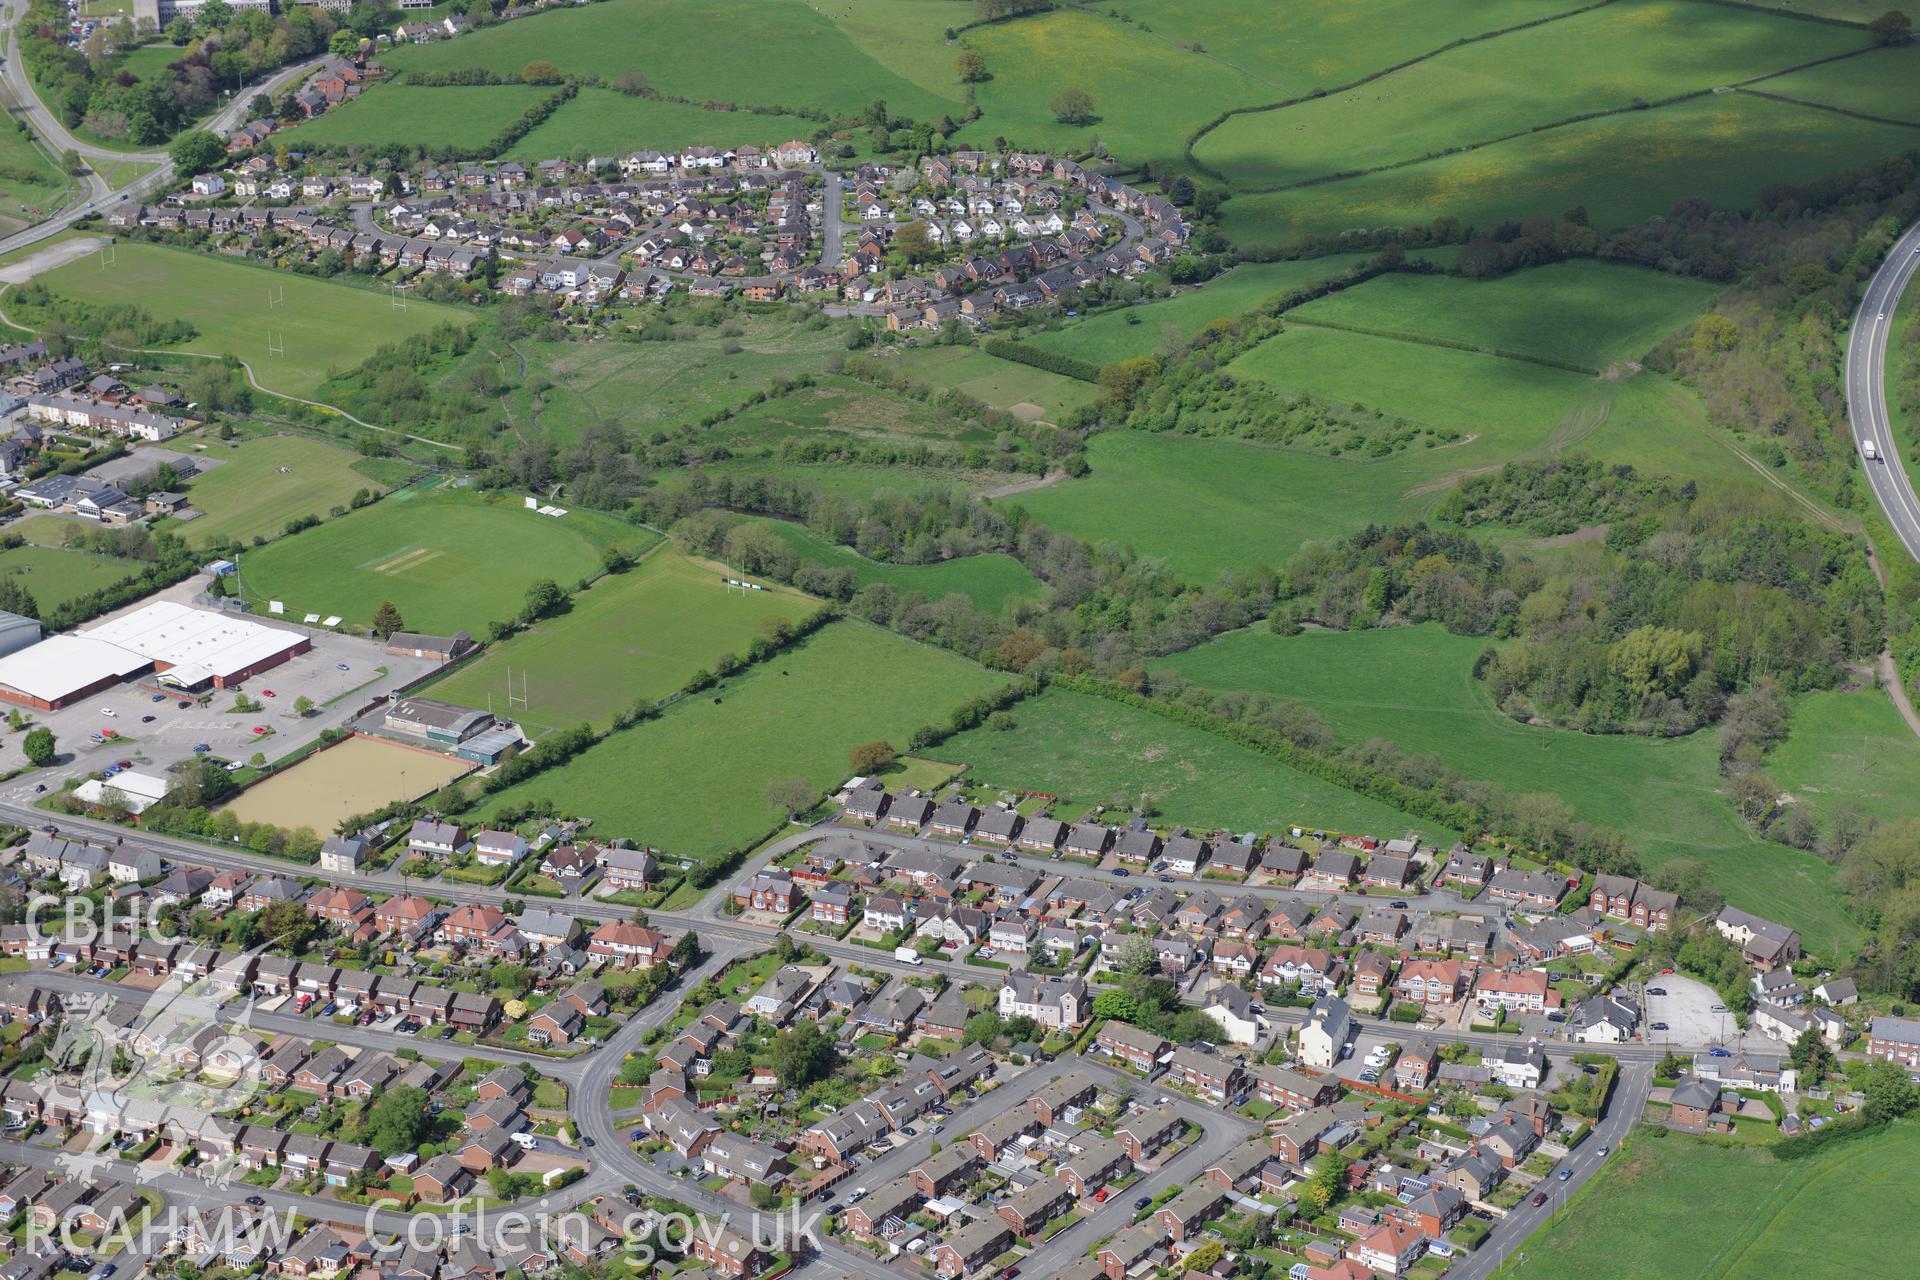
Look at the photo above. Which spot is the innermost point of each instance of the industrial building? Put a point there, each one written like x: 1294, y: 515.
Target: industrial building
x: 189, y: 649
x: 17, y: 632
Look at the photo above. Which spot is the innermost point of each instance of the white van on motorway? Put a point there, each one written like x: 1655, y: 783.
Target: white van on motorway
x: 1870, y: 451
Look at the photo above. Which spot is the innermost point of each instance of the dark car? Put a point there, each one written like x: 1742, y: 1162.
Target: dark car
x: 1661, y: 1026
x: 184, y: 703
x: 1120, y: 871
x: 1539, y: 1198
x: 1143, y: 1202
x: 146, y: 719
x: 256, y: 1200
x: 1656, y: 991
x: 1398, y: 905
x: 585, y: 1141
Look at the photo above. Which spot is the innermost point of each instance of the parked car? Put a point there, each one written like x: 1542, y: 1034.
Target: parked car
x: 108, y: 711
x: 201, y: 748
x: 184, y: 703
x: 158, y: 697
x: 1143, y: 1202
x: 1656, y: 991
x: 1717, y: 1052
x: 340, y: 666
x: 1661, y: 1026
x: 146, y: 719
x: 268, y: 693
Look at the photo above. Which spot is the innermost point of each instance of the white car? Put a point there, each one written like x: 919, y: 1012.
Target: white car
x: 108, y: 711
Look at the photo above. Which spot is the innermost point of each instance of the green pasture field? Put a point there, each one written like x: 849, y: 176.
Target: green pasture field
x: 265, y: 482
x: 1591, y: 314
x: 1604, y: 59
x: 771, y: 53
x: 1089, y: 751
x: 988, y: 580
x: 844, y: 408
x: 1148, y: 93
x: 323, y: 326
x: 609, y: 123
x: 1850, y: 749
x: 907, y: 37
x: 55, y: 575
x: 1668, y: 1204
x: 633, y: 635
x: 1879, y: 82
x: 1415, y: 686
x: 1241, y: 503
x: 1623, y: 168
x: 454, y: 116
x: 1860, y: 11
x: 657, y: 384
x: 1296, y: 48
x: 858, y: 480
x: 795, y: 716
x: 150, y: 61
x: 1141, y: 330
x: 1018, y: 388
x: 448, y: 561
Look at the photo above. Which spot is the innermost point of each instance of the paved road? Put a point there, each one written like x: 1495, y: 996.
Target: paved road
x: 99, y: 196
x: 1867, y: 389
x: 1629, y: 1100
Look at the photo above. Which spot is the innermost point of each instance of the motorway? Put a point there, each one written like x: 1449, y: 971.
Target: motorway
x: 1866, y: 375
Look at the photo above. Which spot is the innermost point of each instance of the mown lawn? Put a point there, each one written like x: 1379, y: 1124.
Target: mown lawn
x: 448, y: 561
x: 772, y: 53
x: 1415, y: 686
x: 420, y: 115
x: 1608, y: 58
x: 795, y: 716
x: 631, y: 636
x: 236, y: 309
x: 1089, y: 751
x: 1678, y: 1206
x: 263, y: 483
x: 988, y: 580
x: 1622, y: 169
x: 1591, y: 314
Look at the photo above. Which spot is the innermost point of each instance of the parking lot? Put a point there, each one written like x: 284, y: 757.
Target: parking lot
x: 1688, y: 1008
x: 153, y: 731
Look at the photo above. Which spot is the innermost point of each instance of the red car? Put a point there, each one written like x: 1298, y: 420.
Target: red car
x: 1539, y: 1198
x: 259, y: 728
x: 268, y: 693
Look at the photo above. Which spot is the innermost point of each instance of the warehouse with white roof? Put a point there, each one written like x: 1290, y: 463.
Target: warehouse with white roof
x: 188, y: 648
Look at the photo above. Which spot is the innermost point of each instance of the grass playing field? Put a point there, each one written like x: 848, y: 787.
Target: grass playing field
x: 454, y: 116
x: 1879, y: 82
x: 448, y: 561
x: 55, y: 575
x: 988, y: 580
x: 265, y: 482
x: 609, y: 123
x: 646, y: 384
x: 1622, y: 169
x: 795, y: 716
x: 1415, y: 686
x: 1672, y: 1205
x: 1089, y: 751
x: 1591, y: 314
x: 1606, y: 58
x: 1850, y: 749
x: 774, y: 53
x: 323, y: 326
x: 633, y: 635
x: 1018, y: 388
x: 357, y: 775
